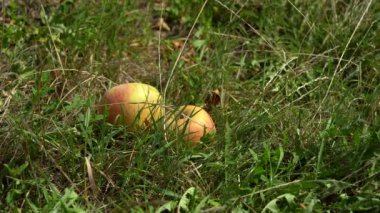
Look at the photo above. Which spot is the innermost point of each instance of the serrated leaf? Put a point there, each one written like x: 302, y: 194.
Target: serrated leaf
x: 272, y: 205
x: 186, y: 198
x: 14, y: 172
x: 201, y: 204
x: 169, y: 206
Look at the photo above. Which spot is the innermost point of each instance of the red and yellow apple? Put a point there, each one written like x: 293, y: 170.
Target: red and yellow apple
x: 135, y: 104
x: 193, y: 122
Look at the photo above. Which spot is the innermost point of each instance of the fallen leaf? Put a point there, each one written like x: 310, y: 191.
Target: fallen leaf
x: 161, y: 24
x: 213, y: 98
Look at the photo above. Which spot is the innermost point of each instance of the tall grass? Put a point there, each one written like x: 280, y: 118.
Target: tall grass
x: 297, y: 123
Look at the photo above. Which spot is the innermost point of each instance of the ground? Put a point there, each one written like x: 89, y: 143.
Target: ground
x: 293, y: 87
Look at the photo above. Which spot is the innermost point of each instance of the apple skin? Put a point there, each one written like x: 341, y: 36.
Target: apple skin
x: 135, y: 104
x: 196, y: 121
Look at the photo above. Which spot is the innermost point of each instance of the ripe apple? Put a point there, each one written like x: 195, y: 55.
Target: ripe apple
x: 135, y: 104
x: 194, y: 122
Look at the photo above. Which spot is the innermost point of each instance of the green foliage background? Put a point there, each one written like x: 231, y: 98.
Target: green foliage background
x: 298, y: 123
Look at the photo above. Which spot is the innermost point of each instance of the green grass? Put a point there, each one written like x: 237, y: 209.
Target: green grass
x: 298, y: 123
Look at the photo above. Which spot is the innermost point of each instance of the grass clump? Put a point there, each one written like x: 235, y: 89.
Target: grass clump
x: 298, y: 124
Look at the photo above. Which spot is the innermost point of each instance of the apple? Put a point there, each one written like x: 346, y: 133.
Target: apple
x: 194, y: 122
x: 135, y: 104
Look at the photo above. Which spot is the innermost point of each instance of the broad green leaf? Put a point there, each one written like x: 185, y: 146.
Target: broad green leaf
x: 186, y: 198
x: 169, y: 206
